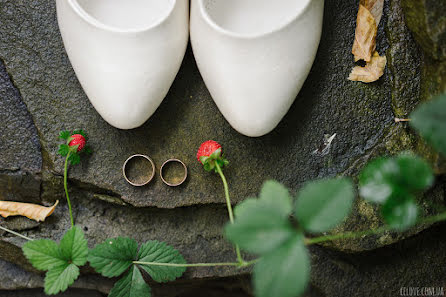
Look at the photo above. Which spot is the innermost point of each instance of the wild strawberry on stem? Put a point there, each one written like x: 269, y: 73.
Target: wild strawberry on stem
x: 210, y: 156
x: 74, y: 146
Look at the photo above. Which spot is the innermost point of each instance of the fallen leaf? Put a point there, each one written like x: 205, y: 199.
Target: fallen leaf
x: 372, y: 70
x: 29, y: 210
x: 375, y: 7
x: 365, y: 35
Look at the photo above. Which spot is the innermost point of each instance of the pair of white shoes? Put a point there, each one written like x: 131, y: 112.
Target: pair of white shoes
x: 253, y: 55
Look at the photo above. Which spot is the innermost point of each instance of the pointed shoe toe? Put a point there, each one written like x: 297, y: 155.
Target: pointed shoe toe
x: 254, y: 56
x: 125, y: 54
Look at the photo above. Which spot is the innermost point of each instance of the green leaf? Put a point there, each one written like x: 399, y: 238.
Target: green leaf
x: 262, y: 224
x: 73, y: 246
x: 429, y: 119
x: 400, y: 212
x: 74, y: 159
x: 43, y: 254
x: 245, y: 206
x: 131, y: 285
x: 385, y: 177
x: 114, y: 256
x: 275, y: 193
x: 64, y: 134
x: 155, y: 251
x: 323, y: 204
x: 59, y: 278
x: 63, y: 149
x: 260, y: 229
x: 284, y: 272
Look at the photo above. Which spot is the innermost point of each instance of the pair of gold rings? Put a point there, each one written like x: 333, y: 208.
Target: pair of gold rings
x: 137, y: 173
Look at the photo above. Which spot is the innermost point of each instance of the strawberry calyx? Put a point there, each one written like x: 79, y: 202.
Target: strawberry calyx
x: 210, y: 155
x: 75, y: 144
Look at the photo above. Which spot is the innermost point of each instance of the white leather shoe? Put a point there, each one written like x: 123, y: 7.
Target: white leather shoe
x: 254, y: 56
x: 126, y: 53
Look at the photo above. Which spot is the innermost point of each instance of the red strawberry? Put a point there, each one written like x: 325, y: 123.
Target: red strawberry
x: 207, y: 148
x: 77, y: 139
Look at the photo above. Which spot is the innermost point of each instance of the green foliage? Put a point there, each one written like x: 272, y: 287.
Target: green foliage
x: 400, y: 212
x: 215, y: 158
x: 263, y: 226
x: 64, y: 134
x: 61, y: 261
x: 284, y: 272
x: 72, y: 247
x: 59, y: 278
x: 160, y: 252
x: 115, y: 256
x: 43, y: 254
x: 74, y: 158
x: 131, y: 285
x: 63, y: 149
x: 323, y: 204
x: 429, y: 119
x: 393, y: 182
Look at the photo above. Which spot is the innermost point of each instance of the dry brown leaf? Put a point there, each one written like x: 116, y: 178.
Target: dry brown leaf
x: 365, y: 35
x: 29, y: 210
x: 375, y: 7
x: 372, y: 70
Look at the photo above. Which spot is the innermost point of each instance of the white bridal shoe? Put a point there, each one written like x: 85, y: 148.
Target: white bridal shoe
x: 126, y: 53
x: 254, y: 56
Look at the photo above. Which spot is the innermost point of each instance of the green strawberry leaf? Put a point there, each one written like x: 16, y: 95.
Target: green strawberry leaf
x: 385, y: 177
x: 74, y: 159
x: 261, y: 225
x: 73, y: 247
x: 323, y: 204
x: 60, y: 277
x: 429, y: 119
x: 277, y: 194
x: 64, y: 134
x: 43, y: 254
x: 400, y: 212
x: 155, y: 251
x: 284, y: 272
x: 114, y: 256
x: 131, y: 285
x: 63, y: 149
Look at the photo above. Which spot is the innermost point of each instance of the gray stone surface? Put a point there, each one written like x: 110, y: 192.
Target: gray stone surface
x: 20, y: 158
x: 360, y: 114
x: 427, y: 20
x: 40, y: 96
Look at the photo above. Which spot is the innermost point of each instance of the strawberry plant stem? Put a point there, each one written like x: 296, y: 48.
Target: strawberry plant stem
x: 426, y: 220
x: 65, y: 177
x: 197, y: 264
x: 15, y: 233
x: 229, y: 206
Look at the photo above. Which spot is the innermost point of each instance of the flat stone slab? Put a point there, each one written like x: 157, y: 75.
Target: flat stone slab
x: 44, y: 97
x: 360, y: 114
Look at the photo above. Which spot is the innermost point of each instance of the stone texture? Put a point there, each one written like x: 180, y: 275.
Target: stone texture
x: 41, y: 96
x: 427, y: 20
x: 360, y: 114
x: 20, y: 158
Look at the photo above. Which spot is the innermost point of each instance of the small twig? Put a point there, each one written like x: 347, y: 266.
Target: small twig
x: 398, y: 120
